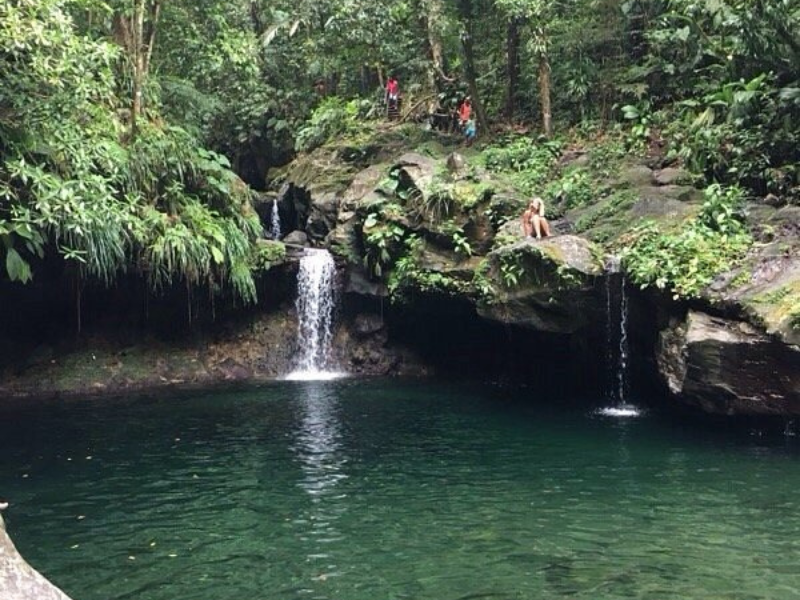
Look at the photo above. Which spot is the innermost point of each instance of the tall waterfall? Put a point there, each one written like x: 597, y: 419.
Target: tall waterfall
x: 275, y: 228
x: 617, y: 349
x: 315, y: 307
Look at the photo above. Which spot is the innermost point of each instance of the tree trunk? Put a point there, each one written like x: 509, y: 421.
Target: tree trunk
x: 255, y: 19
x: 138, y: 35
x: 472, y: 82
x: 544, y: 94
x: 512, y: 66
x: 434, y: 20
x: 137, y: 60
x: 465, y: 7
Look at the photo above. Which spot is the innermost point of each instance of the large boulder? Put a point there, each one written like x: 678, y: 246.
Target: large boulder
x: 729, y: 367
x: 672, y: 176
x: 415, y: 172
x: 358, y: 282
x: 322, y: 216
x: 765, y: 286
x: 544, y: 285
x: 19, y: 580
x: 344, y: 239
x: 296, y: 238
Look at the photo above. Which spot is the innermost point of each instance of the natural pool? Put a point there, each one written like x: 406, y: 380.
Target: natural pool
x: 353, y: 490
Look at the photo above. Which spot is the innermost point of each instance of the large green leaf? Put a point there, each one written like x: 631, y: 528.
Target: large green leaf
x: 16, y: 267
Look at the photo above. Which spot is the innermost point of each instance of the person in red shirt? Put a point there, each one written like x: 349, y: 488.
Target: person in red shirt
x: 465, y: 112
x: 392, y: 91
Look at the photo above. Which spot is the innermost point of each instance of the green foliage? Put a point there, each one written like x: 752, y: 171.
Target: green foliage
x: 606, y: 156
x: 687, y: 260
x: 574, y: 189
x: 71, y: 183
x: 482, y: 282
x: 640, y: 129
x: 408, y: 276
x: 531, y: 163
x: 381, y: 242
x: 267, y: 254
x: 783, y: 302
x: 332, y: 118
x: 439, y: 204
x: 511, y: 269
x: 736, y: 133
x: 461, y: 244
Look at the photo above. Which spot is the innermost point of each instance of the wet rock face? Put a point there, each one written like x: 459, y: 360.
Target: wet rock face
x: 729, y: 367
x: 20, y: 581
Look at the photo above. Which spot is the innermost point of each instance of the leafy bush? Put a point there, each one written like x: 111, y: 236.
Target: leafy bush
x: 736, y: 133
x: 573, y: 190
x: 687, y: 260
x: 73, y: 183
x: 333, y: 117
x: 382, y: 243
x: 266, y: 254
x: 532, y: 163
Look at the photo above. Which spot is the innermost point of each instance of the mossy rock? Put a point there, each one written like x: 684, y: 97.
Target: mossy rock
x: 546, y: 285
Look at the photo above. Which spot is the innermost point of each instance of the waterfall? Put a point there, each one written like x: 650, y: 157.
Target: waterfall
x: 315, y: 304
x: 622, y: 354
x: 617, y: 350
x: 275, y: 229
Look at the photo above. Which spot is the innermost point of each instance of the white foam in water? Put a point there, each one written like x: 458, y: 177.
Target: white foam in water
x: 620, y: 412
x: 314, y: 375
x: 315, y: 304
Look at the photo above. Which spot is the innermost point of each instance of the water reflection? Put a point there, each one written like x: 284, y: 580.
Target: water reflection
x: 319, y: 443
x: 318, y: 447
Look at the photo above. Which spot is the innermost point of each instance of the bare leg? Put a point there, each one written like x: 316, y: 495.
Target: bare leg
x: 545, y: 227
x: 537, y: 226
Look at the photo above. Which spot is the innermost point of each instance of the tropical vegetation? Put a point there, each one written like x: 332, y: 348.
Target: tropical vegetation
x: 133, y: 134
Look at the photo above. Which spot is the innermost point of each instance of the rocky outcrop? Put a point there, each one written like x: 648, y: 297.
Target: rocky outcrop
x: 260, y: 347
x: 544, y: 285
x: 469, y: 247
x: 765, y: 288
x: 19, y: 580
x: 418, y: 234
x: 729, y: 367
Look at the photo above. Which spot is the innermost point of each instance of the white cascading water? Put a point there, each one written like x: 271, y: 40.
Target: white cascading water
x: 275, y: 228
x: 315, y: 307
x: 618, y: 351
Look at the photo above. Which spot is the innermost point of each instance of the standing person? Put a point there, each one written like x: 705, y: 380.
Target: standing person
x: 465, y: 112
x: 470, y: 131
x: 392, y: 93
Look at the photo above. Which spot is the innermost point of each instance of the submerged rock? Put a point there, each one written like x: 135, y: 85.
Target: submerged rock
x: 729, y: 367
x: 19, y: 580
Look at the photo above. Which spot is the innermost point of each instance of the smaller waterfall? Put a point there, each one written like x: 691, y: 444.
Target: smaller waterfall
x: 275, y: 227
x: 315, y: 307
x: 617, y: 348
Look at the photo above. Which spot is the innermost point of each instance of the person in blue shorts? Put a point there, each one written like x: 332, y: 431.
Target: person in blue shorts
x: 470, y: 131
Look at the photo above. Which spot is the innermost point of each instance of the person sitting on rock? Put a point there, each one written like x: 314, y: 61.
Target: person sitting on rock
x: 534, y: 221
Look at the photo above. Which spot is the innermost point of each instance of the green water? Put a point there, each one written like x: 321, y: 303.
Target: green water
x: 379, y: 490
